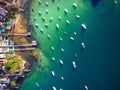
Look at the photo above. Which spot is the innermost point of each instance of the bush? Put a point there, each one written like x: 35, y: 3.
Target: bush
x: 8, y: 65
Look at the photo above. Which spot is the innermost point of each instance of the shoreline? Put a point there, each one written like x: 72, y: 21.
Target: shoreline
x: 22, y: 27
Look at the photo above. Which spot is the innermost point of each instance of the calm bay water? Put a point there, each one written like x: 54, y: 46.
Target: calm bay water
x: 97, y: 65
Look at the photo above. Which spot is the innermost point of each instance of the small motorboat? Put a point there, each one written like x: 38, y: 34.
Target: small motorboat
x: 74, y: 5
x: 52, y: 48
x: 59, y: 17
x: 60, y: 39
x: 77, y: 16
x: 62, y: 78
x: 67, y: 21
x: 47, y: 11
x: 46, y: 3
x: 75, y: 33
x: 36, y: 25
x: 41, y: 30
x: 49, y: 36
x: 39, y: 12
x: 66, y: 11
x: 51, y: 19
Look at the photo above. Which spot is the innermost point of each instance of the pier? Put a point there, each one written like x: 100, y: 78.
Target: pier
x: 33, y: 44
x: 24, y: 49
x: 15, y: 34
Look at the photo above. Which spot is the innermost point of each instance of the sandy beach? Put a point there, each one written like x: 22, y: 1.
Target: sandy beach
x: 21, y: 27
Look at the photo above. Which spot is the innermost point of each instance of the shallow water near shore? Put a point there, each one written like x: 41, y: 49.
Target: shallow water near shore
x: 97, y: 65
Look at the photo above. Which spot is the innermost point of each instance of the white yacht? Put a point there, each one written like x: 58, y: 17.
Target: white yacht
x: 61, y: 62
x: 37, y: 84
x: 60, y: 38
x: 62, y: 78
x: 46, y: 3
x: 71, y: 38
x: 57, y: 26
x: 53, y: 58
x: 74, y: 64
x: 62, y: 49
x: 66, y: 11
x: 77, y: 16
x: 67, y: 21
x: 74, y: 5
x: 86, y: 87
x: 82, y: 45
x: 52, y: 48
x: 54, y: 88
x: 75, y: 33
x: 49, y: 36
x: 83, y: 26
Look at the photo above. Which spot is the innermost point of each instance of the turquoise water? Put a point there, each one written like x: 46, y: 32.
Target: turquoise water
x: 97, y: 65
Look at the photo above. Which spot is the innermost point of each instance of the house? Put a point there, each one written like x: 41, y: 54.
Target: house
x: 5, y: 80
x: 3, y: 14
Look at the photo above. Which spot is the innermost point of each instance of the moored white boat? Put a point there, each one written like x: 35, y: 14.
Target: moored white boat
x: 86, y: 87
x: 74, y: 64
x: 83, y: 45
x: 74, y: 5
x: 37, y: 84
x: 83, y: 26
x: 57, y: 26
x: 61, y: 62
x: 75, y: 33
x: 49, y: 36
x: 71, y: 38
x: 53, y: 73
x: 46, y: 3
x: 66, y: 11
x: 53, y: 58
x: 54, y: 88
x: 60, y: 38
x: 52, y: 48
x: 62, y: 78
x: 77, y: 16
x: 67, y: 21
x: 62, y: 50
